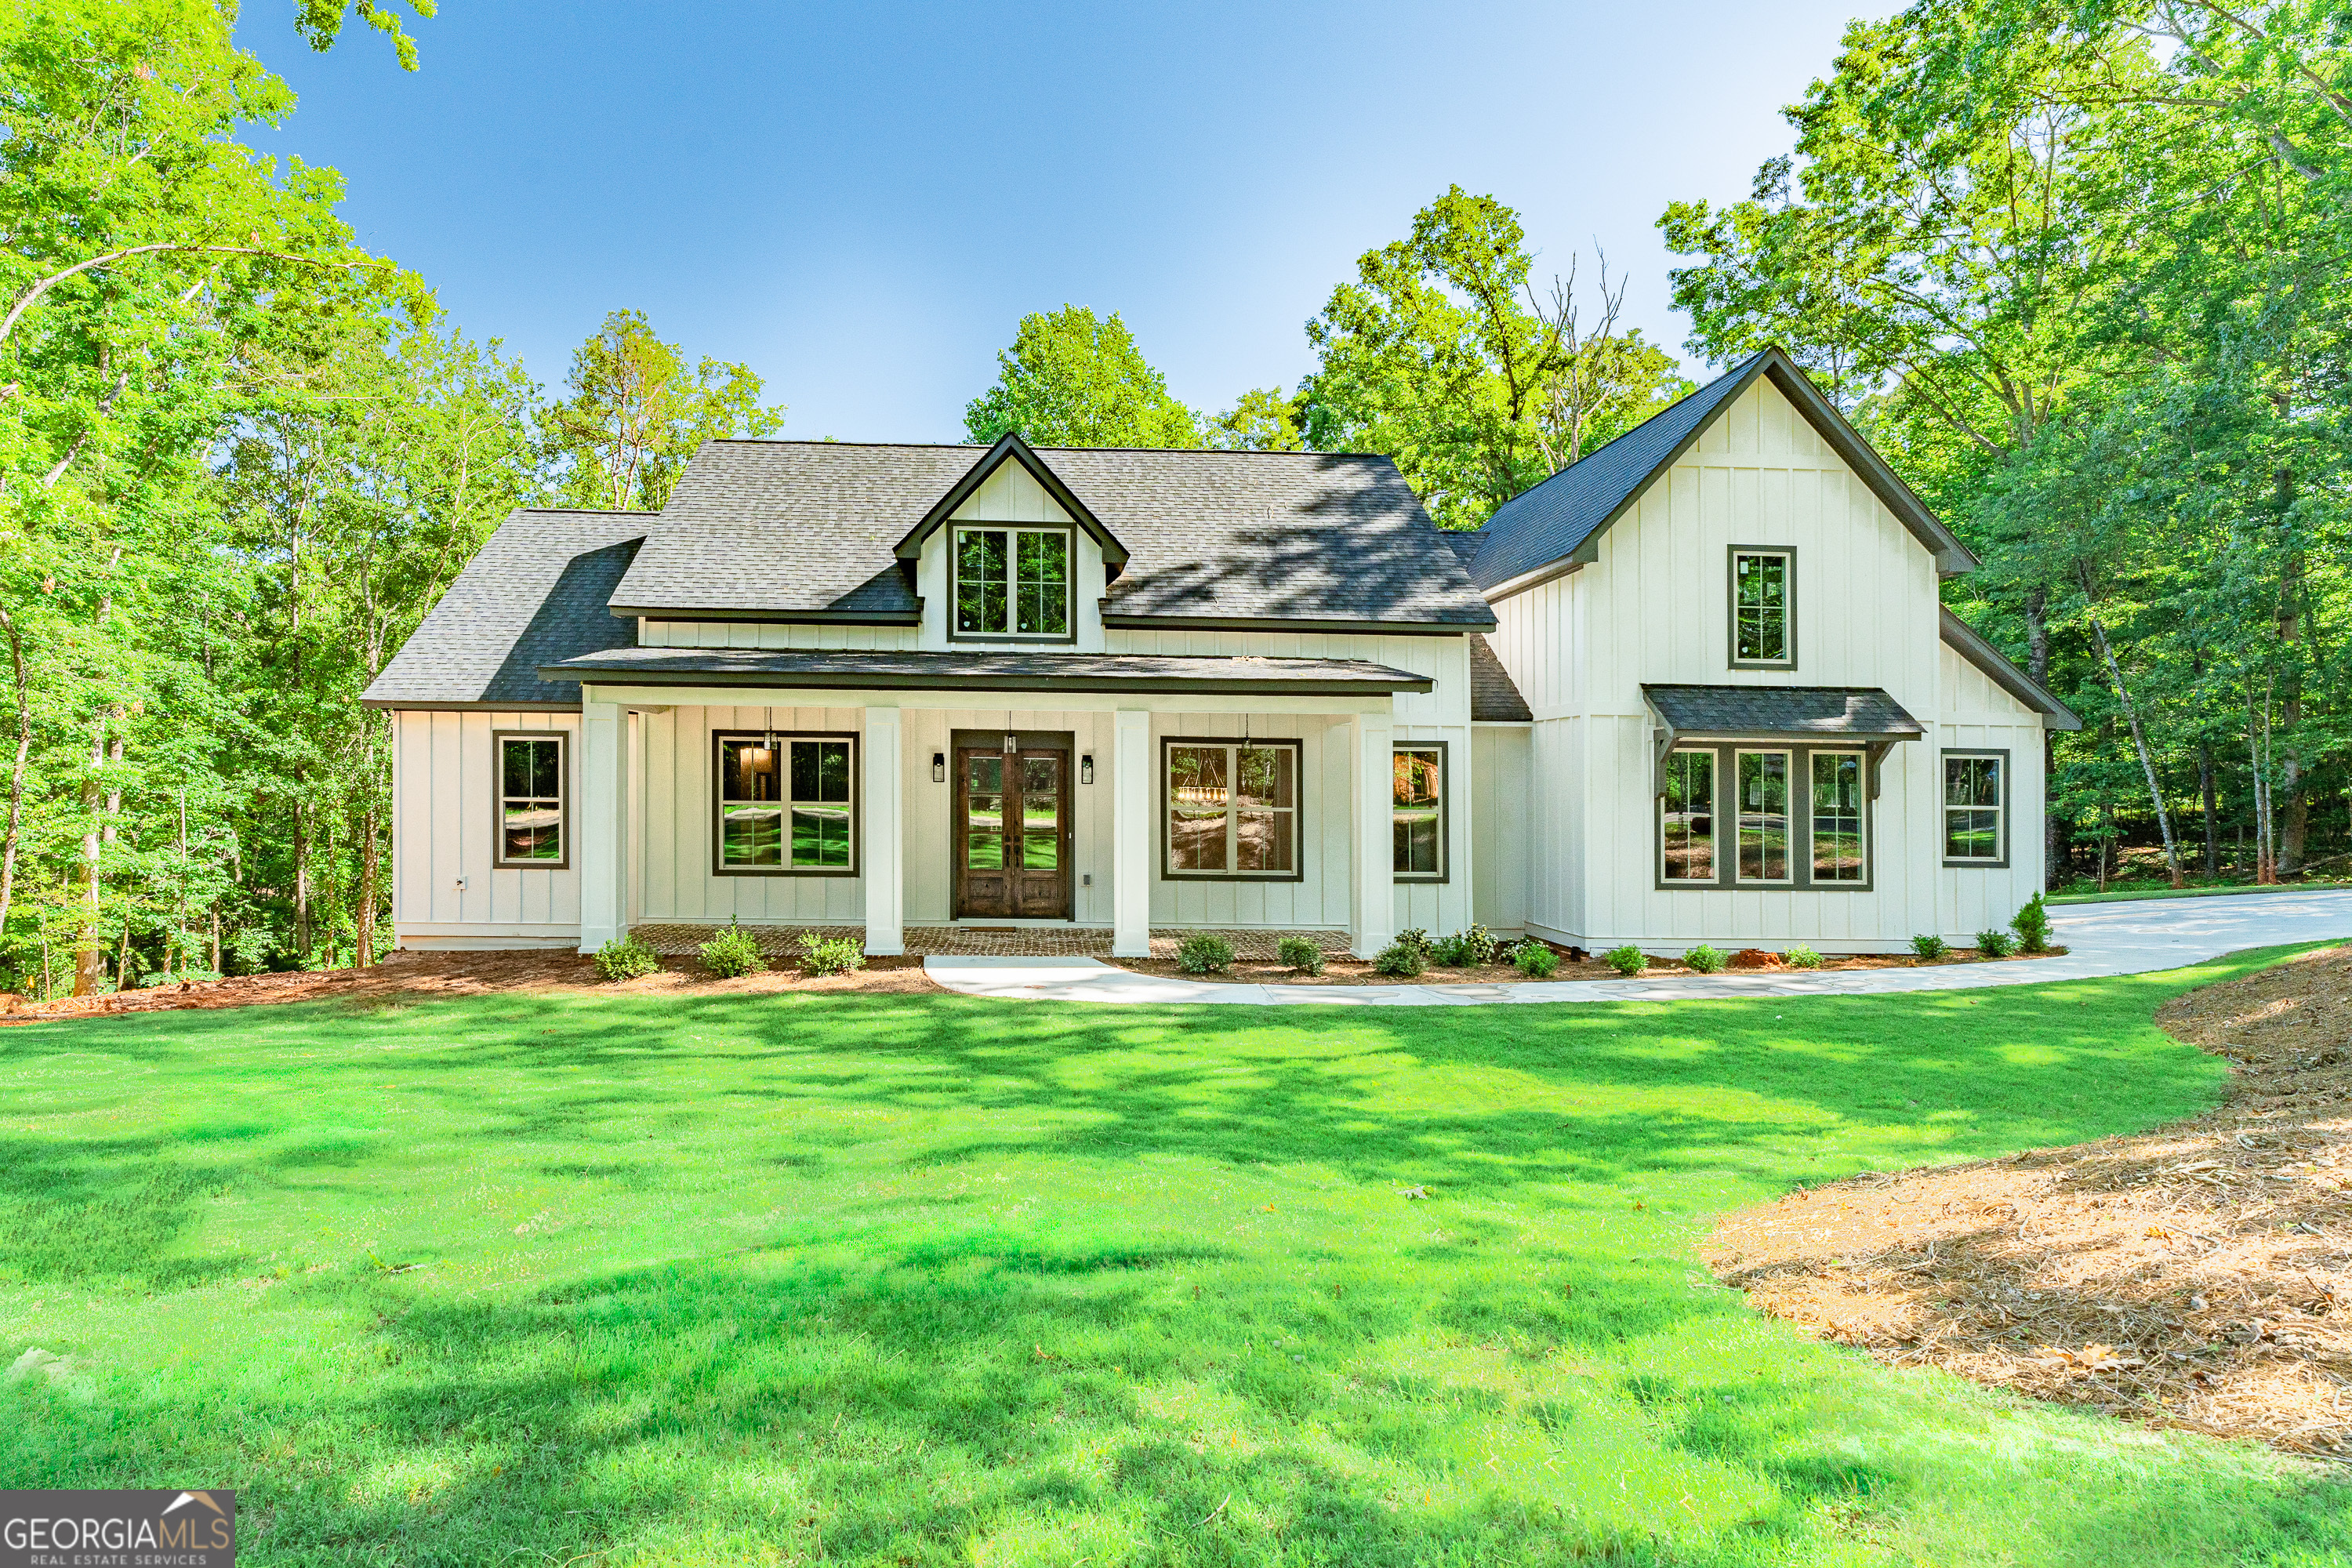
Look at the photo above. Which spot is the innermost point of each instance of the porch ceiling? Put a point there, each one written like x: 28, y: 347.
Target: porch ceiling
x: 817, y: 668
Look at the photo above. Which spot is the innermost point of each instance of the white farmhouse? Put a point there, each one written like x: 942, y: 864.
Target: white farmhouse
x: 1697, y: 688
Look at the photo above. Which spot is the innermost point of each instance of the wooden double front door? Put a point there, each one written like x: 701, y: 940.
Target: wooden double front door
x: 1013, y: 834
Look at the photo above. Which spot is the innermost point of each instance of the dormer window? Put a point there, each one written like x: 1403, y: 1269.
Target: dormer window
x: 1763, y: 609
x: 1013, y: 582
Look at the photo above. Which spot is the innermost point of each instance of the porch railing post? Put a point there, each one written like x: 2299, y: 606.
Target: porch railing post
x: 886, y: 832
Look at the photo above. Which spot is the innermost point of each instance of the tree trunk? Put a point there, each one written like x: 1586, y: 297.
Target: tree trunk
x: 2055, y: 854
x: 302, y: 875
x: 16, y: 774
x: 2139, y: 741
x: 88, y: 966
x: 365, y: 956
x: 2205, y: 788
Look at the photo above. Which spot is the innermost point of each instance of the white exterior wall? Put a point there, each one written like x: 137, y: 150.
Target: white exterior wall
x: 1500, y: 786
x: 1979, y: 716
x: 443, y: 823
x: 1654, y: 607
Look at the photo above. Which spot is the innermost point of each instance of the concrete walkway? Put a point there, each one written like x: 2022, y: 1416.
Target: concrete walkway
x: 2102, y: 940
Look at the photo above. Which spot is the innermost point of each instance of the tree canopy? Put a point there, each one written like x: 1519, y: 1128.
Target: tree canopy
x: 1073, y: 379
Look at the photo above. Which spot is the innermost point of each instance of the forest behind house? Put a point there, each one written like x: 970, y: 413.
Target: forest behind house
x: 2079, y: 271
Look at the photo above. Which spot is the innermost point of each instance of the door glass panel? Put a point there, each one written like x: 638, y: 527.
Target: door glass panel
x: 1041, y: 812
x: 1763, y: 817
x: 983, y: 836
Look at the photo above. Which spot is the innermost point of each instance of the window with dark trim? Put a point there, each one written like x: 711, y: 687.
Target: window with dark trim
x: 531, y: 815
x: 1419, y: 812
x: 1763, y: 609
x: 1687, y: 819
x: 1231, y: 809
x: 1976, y: 808
x: 1013, y: 582
x: 786, y: 805
x: 1799, y: 816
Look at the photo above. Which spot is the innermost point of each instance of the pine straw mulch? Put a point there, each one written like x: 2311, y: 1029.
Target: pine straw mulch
x: 417, y: 977
x: 2196, y: 1277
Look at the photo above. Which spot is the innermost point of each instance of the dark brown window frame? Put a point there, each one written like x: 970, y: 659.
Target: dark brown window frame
x: 956, y: 526
x: 1943, y: 835
x: 499, y: 738
x: 1298, y: 811
x: 1445, y: 815
x: 1731, y: 599
x: 857, y: 866
x: 1800, y: 865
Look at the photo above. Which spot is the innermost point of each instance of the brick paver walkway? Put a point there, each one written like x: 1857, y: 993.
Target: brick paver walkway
x: 673, y: 941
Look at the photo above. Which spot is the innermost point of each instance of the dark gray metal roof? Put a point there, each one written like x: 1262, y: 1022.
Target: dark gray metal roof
x: 1494, y: 695
x: 536, y: 594
x: 1560, y: 521
x: 1964, y: 640
x: 807, y: 529
x: 1794, y: 712
x: 989, y: 671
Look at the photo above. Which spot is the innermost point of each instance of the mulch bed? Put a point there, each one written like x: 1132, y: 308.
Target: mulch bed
x: 2196, y: 1277
x: 1343, y: 971
x: 419, y: 975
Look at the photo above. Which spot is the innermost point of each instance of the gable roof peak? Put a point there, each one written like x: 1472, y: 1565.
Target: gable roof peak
x: 1010, y: 448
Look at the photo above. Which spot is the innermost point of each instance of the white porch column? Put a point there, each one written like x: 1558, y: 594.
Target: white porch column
x: 886, y: 834
x: 1130, y: 829
x: 601, y: 835
x: 1372, y: 915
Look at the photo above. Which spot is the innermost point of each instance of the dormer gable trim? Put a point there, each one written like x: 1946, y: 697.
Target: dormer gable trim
x: 1010, y: 448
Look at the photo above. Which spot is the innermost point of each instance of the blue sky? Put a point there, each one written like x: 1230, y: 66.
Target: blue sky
x: 861, y: 201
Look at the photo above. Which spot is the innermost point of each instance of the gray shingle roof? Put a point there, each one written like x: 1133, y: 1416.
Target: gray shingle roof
x: 1494, y: 695
x: 1554, y: 521
x: 536, y: 594
x: 991, y: 671
x: 1795, y: 712
x: 808, y: 528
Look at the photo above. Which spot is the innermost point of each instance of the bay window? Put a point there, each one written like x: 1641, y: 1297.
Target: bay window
x: 1798, y: 816
x: 1687, y: 819
x: 1762, y: 817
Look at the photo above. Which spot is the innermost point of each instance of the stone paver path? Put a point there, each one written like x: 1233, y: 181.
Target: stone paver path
x: 2102, y: 939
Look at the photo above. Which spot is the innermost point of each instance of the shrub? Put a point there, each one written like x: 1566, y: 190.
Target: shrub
x: 1303, y: 954
x: 1628, y: 961
x: 837, y: 956
x: 1204, y: 953
x: 1928, y: 946
x: 625, y: 958
x: 1801, y: 957
x: 1705, y: 959
x: 1417, y: 940
x: 1996, y: 943
x: 2033, y: 924
x: 1536, y: 961
x: 1401, y: 957
x: 1473, y: 948
x: 732, y: 953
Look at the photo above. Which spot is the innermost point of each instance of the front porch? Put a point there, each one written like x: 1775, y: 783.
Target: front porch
x: 783, y: 942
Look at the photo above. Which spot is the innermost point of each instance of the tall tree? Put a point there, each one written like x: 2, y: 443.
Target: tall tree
x: 637, y: 413
x: 1442, y: 356
x: 1072, y: 379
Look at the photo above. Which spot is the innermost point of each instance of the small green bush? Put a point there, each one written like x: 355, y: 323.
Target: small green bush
x: 1417, y: 940
x: 624, y: 958
x: 1801, y: 957
x: 1466, y: 949
x: 1996, y: 943
x: 2032, y: 926
x: 1705, y: 959
x: 734, y: 953
x: 1927, y: 945
x: 1204, y: 953
x: 837, y: 956
x: 1401, y: 957
x: 1628, y: 961
x: 1535, y: 959
x: 1303, y: 954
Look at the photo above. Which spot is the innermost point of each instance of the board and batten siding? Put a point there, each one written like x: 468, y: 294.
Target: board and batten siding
x: 1499, y: 786
x: 1979, y: 716
x: 444, y: 826
x: 1655, y: 606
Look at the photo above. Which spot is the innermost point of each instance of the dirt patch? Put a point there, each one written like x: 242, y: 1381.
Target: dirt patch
x: 2200, y: 1276
x: 1345, y: 970
x: 415, y: 975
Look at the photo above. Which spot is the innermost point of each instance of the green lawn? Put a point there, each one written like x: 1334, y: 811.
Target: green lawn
x: 920, y: 1280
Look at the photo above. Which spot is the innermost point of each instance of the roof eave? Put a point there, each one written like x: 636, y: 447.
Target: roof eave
x: 1970, y: 644
x: 1114, y: 620
x: 868, y: 680
x: 913, y: 617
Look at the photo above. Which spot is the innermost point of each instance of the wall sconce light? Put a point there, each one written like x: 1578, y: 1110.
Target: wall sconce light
x: 939, y: 767
x: 1086, y: 767
x: 1011, y: 744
